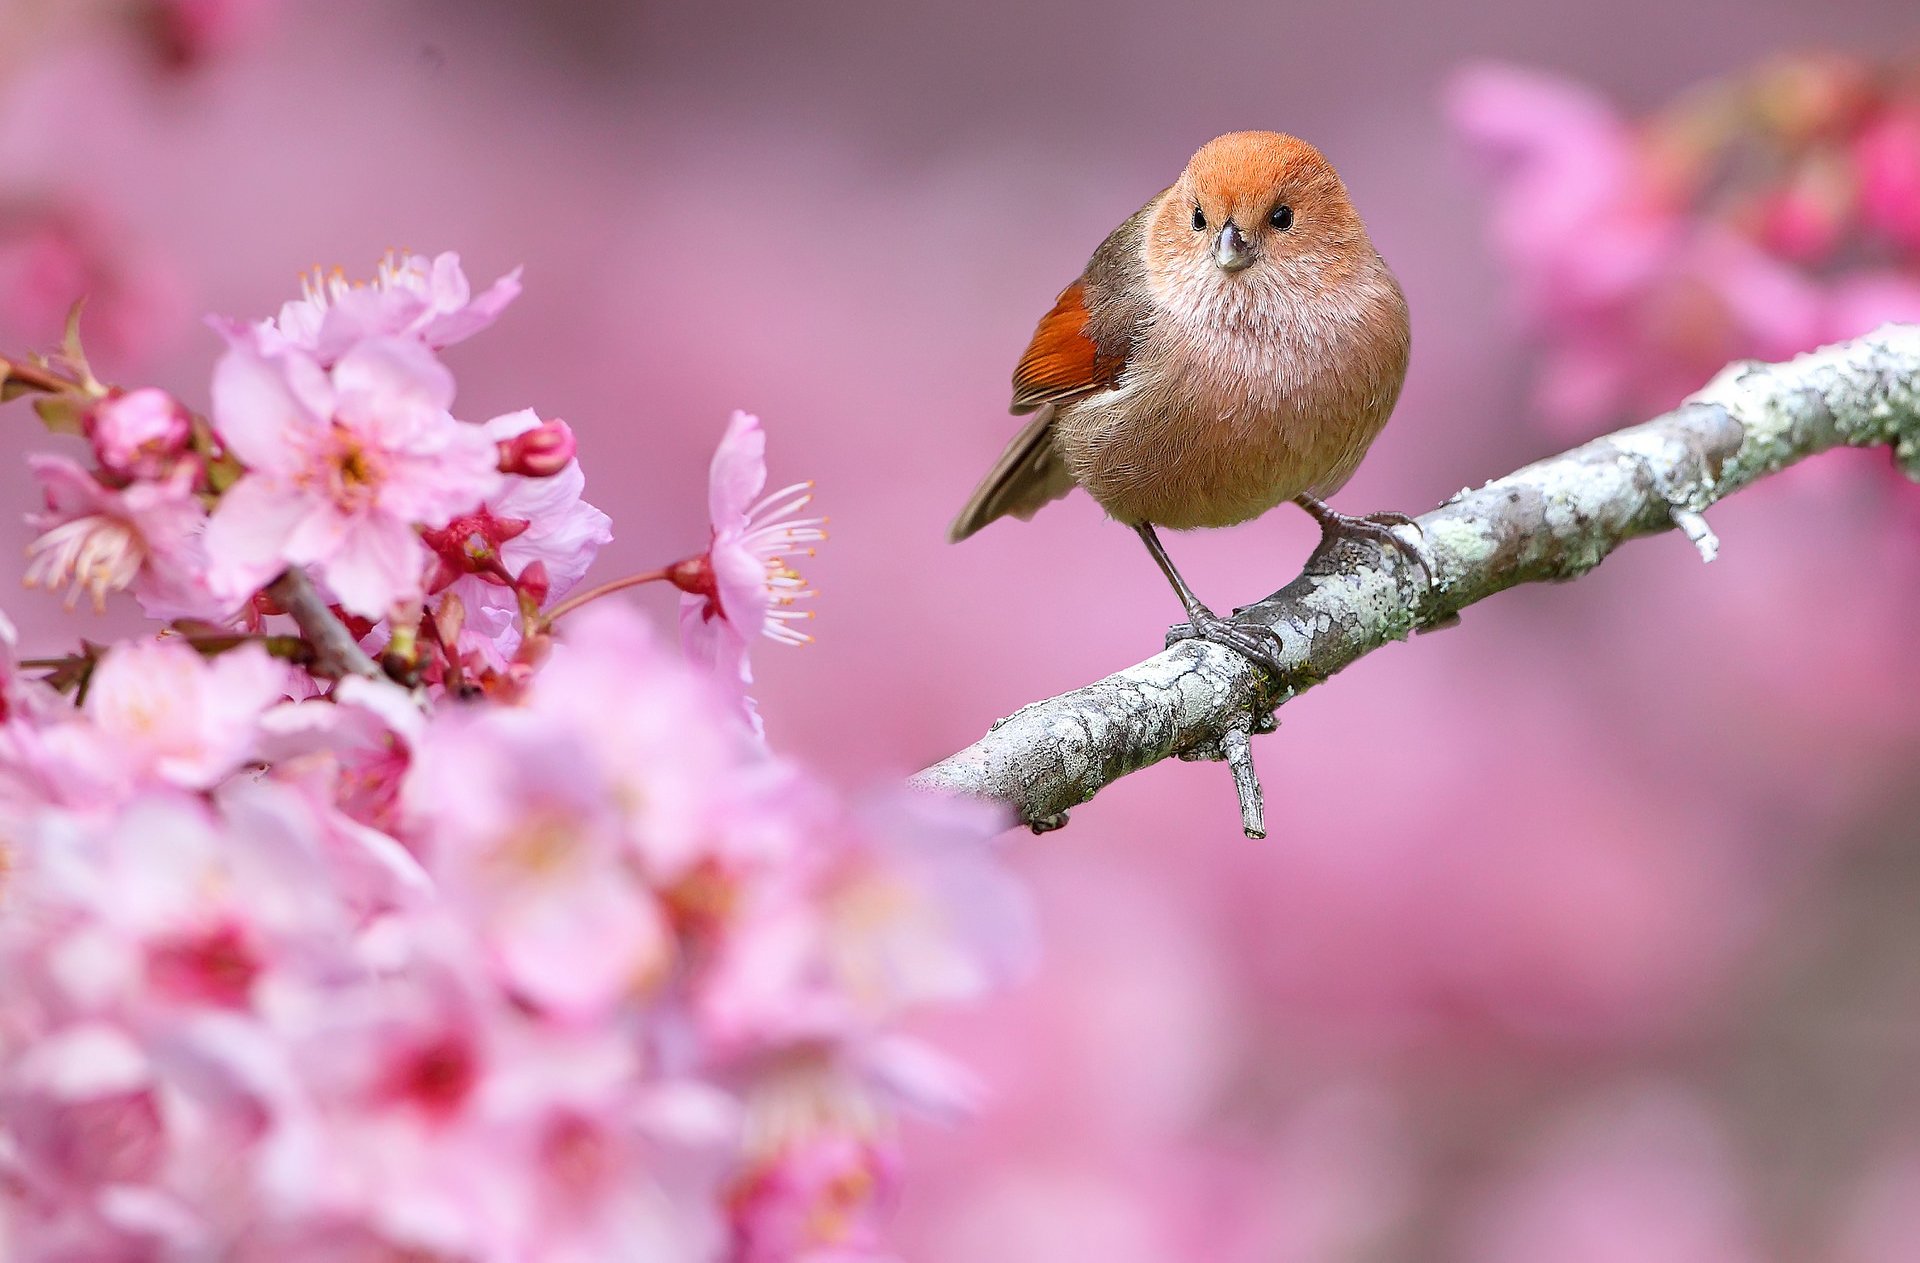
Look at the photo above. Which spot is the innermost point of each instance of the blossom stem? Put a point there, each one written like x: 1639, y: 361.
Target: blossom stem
x: 573, y: 603
x: 335, y: 652
x: 16, y: 377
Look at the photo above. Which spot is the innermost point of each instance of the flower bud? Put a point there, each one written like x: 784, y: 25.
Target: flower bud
x: 139, y: 434
x: 541, y: 452
x: 534, y: 584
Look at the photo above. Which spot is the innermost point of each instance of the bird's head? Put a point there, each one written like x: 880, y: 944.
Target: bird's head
x: 1253, y: 214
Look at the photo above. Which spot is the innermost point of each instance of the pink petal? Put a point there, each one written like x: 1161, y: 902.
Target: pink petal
x: 247, y: 535
x: 318, y: 534
x: 739, y: 471
x: 579, y: 950
x: 261, y: 403
x: 398, y: 373
x: 473, y: 316
x: 379, y: 564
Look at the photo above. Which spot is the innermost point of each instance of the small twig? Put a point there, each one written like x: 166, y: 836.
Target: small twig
x: 335, y: 652
x: 1237, y: 748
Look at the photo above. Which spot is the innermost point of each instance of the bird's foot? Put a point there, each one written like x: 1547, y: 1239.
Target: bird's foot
x: 1389, y: 530
x: 1261, y: 646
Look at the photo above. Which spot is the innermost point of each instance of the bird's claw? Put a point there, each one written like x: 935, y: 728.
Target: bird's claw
x: 1383, y: 529
x: 1261, y: 646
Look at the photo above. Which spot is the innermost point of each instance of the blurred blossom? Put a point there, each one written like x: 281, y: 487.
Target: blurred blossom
x: 563, y: 965
x: 139, y: 434
x: 98, y: 540
x: 164, y: 711
x: 1759, y: 217
x: 411, y: 297
x: 54, y: 253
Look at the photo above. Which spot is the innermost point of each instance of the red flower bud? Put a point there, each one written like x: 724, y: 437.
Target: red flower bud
x: 541, y: 452
x: 533, y: 583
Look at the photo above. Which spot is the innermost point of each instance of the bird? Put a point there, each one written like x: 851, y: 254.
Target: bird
x: 1237, y: 342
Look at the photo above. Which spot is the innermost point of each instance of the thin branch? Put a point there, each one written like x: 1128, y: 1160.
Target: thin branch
x: 1552, y: 520
x: 335, y: 652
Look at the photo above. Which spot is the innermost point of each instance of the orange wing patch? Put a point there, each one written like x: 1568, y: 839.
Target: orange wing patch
x: 1062, y: 362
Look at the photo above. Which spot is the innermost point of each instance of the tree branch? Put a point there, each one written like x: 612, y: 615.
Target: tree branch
x: 1552, y: 520
x: 335, y: 652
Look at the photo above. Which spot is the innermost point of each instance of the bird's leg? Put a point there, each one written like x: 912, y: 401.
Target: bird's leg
x: 1257, y: 644
x: 1378, y: 527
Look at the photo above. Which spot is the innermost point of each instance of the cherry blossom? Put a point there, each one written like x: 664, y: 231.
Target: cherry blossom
x: 164, y: 711
x: 411, y: 297
x: 533, y: 518
x: 342, y: 466
x: 561, y: 965
x: 145, y: 537
x: 744, y: 586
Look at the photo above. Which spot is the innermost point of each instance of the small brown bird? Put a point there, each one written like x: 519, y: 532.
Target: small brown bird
x: 1236, y: 343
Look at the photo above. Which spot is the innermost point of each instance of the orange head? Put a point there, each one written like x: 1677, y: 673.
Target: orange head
x: 1255, y: 213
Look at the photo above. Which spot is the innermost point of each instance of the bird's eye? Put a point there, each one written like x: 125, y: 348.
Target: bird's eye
x: 1199, y: 220
x: 1281, y: 218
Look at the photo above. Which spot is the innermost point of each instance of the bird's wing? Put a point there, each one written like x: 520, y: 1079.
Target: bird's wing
x: 1063, y: 361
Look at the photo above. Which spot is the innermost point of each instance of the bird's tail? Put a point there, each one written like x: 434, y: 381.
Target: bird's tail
x: 1028, y: 475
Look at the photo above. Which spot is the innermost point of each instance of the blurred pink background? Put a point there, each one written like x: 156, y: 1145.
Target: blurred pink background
x: 1585, y: 931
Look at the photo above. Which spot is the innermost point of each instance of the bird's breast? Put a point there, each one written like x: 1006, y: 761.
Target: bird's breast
x: 1224, y: 414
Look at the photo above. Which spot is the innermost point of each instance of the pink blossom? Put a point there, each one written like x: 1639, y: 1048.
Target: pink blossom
x: 85, y: 1112
x: 368, y: 871
x: 1567, y: 216
x: 529, y: 843
x: 1807, y: 219
x: 1887, y: 155
x: 529, y: 520
x: 820, y: 1175
x: 571, y: 970
x: 342, y: 467
x: 744, y: 585
x: 139, y: 434
x: 360, y: 740
x: 412, y: 297
x: 145, y: 537
x: 166, y: 712
x: 676, y: 767
x: 903, y: 905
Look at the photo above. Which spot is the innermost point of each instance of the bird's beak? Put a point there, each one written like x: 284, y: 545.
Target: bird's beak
x: 1231, y: 249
